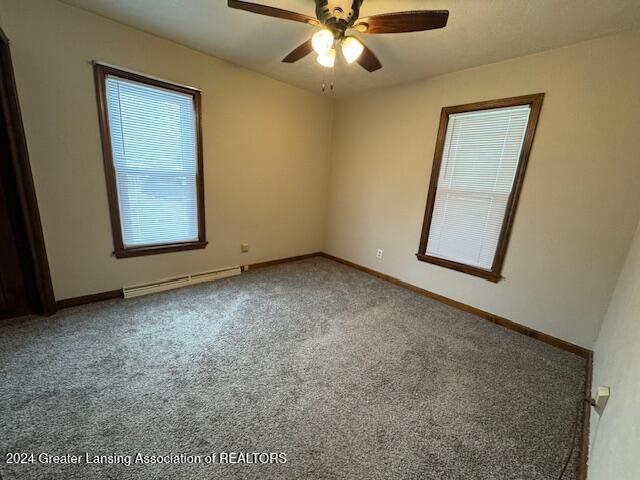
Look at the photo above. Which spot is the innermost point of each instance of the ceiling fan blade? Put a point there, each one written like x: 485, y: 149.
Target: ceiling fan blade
x: 368, y: 60
x: 299, y: 53
x: 401, y: 22
x: 272, y: 12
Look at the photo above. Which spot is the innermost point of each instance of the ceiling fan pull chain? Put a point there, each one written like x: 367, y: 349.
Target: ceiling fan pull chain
x: 333, y: 80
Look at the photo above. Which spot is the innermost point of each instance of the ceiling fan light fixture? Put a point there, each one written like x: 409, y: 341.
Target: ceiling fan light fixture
x: 352, y: 48
x: 335, y: 17
x: 322, y: 41
x: 328, y: 60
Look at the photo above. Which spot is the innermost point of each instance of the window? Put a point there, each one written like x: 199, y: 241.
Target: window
x: 152, y: 150
x: 480, y: 160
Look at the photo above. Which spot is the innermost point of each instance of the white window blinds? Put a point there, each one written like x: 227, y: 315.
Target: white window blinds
x: 154, y: 148
x: 479, y: 163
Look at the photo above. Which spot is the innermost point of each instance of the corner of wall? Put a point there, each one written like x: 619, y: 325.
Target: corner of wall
x: 331, y: 154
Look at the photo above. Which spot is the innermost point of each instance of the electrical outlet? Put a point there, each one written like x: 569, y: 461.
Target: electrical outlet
x: 244, y: 247
x: 379, y: 254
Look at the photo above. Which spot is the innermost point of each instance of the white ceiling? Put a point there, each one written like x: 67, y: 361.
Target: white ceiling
x: 479, y: 32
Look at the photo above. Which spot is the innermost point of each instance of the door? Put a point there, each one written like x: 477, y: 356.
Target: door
x: 14, y: 281
x: 25, y: 282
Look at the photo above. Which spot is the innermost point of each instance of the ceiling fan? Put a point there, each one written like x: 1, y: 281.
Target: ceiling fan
x: 338, y: 16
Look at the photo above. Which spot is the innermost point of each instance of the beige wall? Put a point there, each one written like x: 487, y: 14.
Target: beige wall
x: 266, y: 166
x: 615, y: 437
x: 581, y: 196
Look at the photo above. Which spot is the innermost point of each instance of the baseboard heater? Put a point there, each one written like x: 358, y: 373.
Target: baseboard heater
x: 178, y: 282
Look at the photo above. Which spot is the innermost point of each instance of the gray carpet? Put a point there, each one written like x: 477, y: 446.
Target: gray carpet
x: 350, y: 376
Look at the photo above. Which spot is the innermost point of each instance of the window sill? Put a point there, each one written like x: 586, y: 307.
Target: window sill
x: 159, y: 249
x: 460, y: 267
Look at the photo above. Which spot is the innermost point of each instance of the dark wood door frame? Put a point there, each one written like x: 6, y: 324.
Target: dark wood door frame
x: 24, y: 180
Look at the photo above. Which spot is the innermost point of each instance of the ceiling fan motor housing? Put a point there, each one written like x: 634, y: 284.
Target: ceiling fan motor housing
x: 337, y: 19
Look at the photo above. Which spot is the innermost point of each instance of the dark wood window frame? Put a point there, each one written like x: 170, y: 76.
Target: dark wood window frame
x: 101, y: 72
x: 495, y: 274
